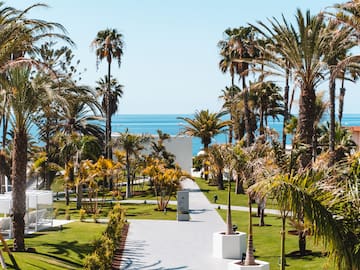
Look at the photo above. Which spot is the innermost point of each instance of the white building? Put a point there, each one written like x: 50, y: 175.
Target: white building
x: 180, y: 147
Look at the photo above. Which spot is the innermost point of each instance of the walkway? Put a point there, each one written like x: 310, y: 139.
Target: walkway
x: 171, y: 245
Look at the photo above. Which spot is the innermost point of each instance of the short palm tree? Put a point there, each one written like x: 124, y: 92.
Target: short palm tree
x: 109, y: 45
x: 217, y: 160
x: 205, y: 125
x: 132, y: 144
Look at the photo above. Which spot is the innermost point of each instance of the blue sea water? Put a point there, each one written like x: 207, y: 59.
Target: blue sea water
x: 171, y: 124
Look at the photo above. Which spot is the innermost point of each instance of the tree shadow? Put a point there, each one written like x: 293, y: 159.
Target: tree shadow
x: 133, y: 258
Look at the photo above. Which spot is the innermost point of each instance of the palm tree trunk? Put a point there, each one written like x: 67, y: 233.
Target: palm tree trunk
x: 341, y: 103
x: 250, y: 259
x: 286, y: 108
x: 239, y: 189
x: 19, y: 164
x: 108, y: 146
x: 229, y: 229
x: 128, y: 177
x: 79, y: 193
x: 332, y: 118
x: 305, y: 128
x: 341, y: 98
x: 220, y: 180
x: 206, y: 167
x: 247, y: 114
x: 282, y: 256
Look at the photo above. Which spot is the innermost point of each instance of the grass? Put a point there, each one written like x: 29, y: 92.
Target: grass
x: 133, y: 211
x: 267, y: 243
x: 149, y: 211
x: 55, y: 249
x: 236, y: 199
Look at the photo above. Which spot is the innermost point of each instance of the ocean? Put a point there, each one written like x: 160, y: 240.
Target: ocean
x: 171, y: 124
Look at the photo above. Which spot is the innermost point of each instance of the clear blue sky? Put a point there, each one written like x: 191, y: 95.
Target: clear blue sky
x: 170, y: 62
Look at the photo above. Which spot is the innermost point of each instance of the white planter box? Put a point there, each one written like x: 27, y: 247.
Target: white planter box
x: 261, y: 265
x: 183, y: 217
x: 229, y: 246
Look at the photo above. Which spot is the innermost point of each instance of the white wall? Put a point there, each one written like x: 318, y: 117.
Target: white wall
x: 180, y: 146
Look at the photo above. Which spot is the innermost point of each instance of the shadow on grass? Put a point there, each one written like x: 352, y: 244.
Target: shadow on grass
x: 63, y: 248
x: 60, y: 260
x: 308, y: 256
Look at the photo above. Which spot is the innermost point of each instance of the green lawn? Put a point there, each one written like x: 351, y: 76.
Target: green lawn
x: 236, y: 199
x: 267, y: 243
x: 149, y: 211
x: 57, y: 249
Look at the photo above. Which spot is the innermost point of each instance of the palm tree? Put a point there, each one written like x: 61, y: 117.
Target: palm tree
x: 217, y: 160
x: 268, y: 100
x: 116, y: 93
x: 108, y: 44
x: 344, y: 145
x: 132, y: 144
x: 231, y: 97
x: 303, y: 47
x: 205, y: 125
x: 23, y: 102
x: 340, y: 42
x: 244, y: 49
x: 323, y: 199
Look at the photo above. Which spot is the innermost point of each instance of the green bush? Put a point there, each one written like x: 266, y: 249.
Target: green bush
x: 104, y: 247
x: 92, y: 262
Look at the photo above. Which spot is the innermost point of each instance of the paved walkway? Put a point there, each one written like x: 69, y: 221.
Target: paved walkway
x: 171, y: 245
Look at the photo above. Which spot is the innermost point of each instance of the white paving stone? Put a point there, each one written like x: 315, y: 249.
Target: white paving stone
x: 165, y: 245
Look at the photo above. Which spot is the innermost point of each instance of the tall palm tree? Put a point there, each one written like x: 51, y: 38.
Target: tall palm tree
x: 340, y: 40
x: 268, y: 101
x: 244, y: 49
x: 205, y: 125
x: 116, y: 93
x: 108, y: 44
x: 132, y: 144
x: 23, y: 102
x: 231, y: 96
x: 303, y: 46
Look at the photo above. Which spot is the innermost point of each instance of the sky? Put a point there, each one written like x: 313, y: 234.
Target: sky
x: 170, y: 60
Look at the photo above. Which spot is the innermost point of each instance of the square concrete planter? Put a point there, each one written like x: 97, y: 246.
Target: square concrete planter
x: 183, y: 216
x: 261, y: 265
x: 230, y: 246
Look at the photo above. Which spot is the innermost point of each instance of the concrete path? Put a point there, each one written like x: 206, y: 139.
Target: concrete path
x: 170, y: 245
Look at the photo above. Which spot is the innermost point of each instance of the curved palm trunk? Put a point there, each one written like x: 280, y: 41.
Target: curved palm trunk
x: 250, y: 259
x: 305, y: 128
x: 19, y: 164
x: 332, y: 118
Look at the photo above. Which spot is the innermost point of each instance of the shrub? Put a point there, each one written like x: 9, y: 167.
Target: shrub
x: 82, y: 214
x: 102, y: 256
